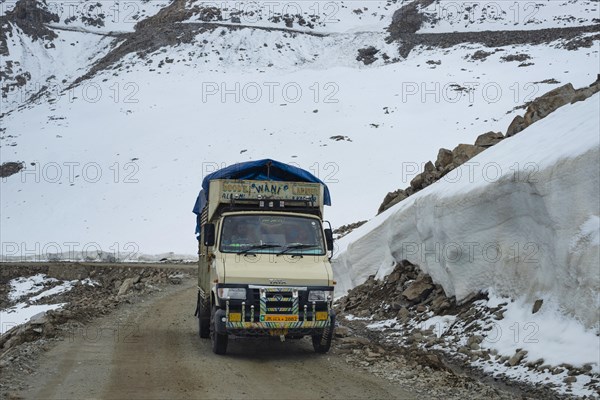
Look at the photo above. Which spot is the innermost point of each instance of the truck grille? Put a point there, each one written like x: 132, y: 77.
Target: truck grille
x: 281, y: 301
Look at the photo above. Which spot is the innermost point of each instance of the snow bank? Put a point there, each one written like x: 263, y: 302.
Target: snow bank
x: 22, y: 289
x: 520, y: 219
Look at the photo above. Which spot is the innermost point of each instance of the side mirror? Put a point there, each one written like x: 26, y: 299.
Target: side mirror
x: 209, y: 234
x: 329, y: 239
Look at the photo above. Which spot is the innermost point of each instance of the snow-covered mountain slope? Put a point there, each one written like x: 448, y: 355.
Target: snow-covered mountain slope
x: 115, y: 162
x: 520, y: 220
x: 463, y: 16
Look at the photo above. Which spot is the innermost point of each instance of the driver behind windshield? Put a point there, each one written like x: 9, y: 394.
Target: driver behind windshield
x: 244, y: 233
x: 301, y: 235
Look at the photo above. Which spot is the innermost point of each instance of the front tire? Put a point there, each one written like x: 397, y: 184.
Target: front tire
x: 219, y: 341
x: 322, y: 343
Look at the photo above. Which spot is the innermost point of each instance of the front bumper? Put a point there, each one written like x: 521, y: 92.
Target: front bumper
x: 251, y: 317
x: 295, y: 328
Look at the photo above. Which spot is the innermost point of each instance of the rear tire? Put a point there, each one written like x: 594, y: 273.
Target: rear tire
x: 322, y: 342
x: 203, y: 319
x: 219, y: 341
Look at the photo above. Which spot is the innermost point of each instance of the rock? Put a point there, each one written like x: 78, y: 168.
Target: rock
x: 417, y: 336
x: 480, y: 55
x: 517, y: 357
x: 582, y: 94
x: 367, y: 55
x: 440, y: 303
x: 355, y: 341
x: 417, y: 182
x: 418, y: 290
x: 516, y: 126
x: 543, y: 367
x: 549, y: 102
x: 10, y: 168
x: 421, y: 308
x: 570, y: 379
x: 175, y: 279
x: 403, y: 314
x: 372, y: 355
x: 464, y: 152
x: 39, y: 319
x: 444, y: 159
x: 391, y: 199
x: 125, y: 286
x: 474, y: 339
x: 341, y: 331
x: 429, y: 167
x: 537, y: 305
x: 394, y: 277
x: 443, y: 307
x: 489, y: 139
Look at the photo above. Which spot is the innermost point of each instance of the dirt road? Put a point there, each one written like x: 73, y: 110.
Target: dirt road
x: 151, y: 350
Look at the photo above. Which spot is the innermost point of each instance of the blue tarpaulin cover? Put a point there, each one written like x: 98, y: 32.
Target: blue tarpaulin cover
x: 259, y: 170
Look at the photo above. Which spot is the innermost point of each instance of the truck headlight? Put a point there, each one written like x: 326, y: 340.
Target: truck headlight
x: 232, y: 293
x: 319, y: 295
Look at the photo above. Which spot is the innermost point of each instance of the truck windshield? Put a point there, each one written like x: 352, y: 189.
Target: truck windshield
x: 272, y: 234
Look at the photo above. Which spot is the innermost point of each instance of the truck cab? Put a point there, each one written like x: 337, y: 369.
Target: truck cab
x: 263, y: 266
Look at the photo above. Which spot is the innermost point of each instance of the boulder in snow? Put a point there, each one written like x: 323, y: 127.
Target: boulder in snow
x: 489, y: 139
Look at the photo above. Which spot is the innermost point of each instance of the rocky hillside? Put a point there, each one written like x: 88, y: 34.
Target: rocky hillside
x: 448, y: 160
x: 407, y: 311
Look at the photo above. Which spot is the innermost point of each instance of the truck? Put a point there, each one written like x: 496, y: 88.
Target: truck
x: 264, y: 255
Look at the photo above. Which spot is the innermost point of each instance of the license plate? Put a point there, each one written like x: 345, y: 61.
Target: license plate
x: 281, y: 318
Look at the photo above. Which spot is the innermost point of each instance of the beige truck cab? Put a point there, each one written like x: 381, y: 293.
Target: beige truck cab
x: 263, y: 266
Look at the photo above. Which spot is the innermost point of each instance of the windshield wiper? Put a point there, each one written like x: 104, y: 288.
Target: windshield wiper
x: 259, y: 246
x: 296, y: 247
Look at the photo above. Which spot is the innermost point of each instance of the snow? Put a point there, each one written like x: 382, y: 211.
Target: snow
x: 588, y: 235
x: 53, y: 63
x: 21, y: 287
x: 325, y: 17
x: 112, y: 16
x: 513, y: 232
x: 440, y: 324
x: 25, y: 287
x: 469, y: 16
x: 351, y: 317
x: 381, y: 325
x: 138, y: 194
x: 21, y: 313
x: 527, y: 234
x: 114, y: 164
x: 547, y: 334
